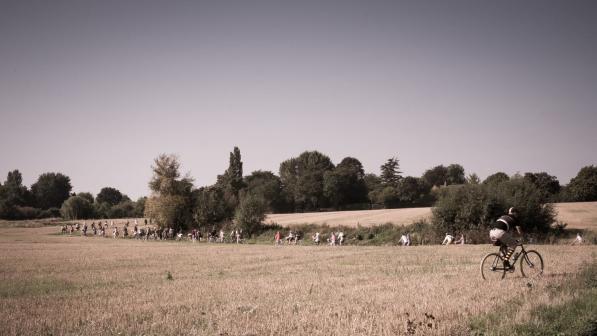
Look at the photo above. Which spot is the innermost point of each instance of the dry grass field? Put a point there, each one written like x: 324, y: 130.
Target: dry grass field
x: 577, y: 215
x: 60, y: 285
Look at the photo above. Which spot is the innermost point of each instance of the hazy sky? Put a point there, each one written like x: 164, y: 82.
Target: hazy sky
x: 97, y: 89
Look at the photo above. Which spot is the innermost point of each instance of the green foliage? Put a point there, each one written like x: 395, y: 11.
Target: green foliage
x: 496, y: 178
x: 210, y: 206
x: 413, y: 191
x: 109, y: 195
x: 473, y: 179
x: 548, y: 185
x: 303, y: 177
x: 390, y: 172
x: 475, y: 206
x: 168, y: 211
x: 76, y: 207
x: 455, y: 174
x: 436, y: 176
x: 268, y: 187
x: 583, y: 187
x: 345, y: 184
x: 140, y: 206
x: 51, y: 190
x: 13, y: 192
x: 86, y: 195
x: 250, y: 214
x: 171, y: 202
x: 124, y: 209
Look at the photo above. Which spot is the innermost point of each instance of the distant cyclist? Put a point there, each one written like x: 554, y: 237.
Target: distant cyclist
x: 502, y: 231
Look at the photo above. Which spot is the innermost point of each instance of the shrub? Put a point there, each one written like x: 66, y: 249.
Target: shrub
x: 76, y: 207
x: 250, y: 213
x: 470, y: 207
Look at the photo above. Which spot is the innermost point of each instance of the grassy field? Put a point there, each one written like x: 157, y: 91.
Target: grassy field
x: 577, y: 215
x: 59, y: 285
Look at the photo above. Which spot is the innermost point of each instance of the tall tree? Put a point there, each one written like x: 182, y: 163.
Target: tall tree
x: 473, y: 179
x: 51, y: 190
x: 345, y: 184
x: 250, y: 214
x: 583, y: 187
x: 436, y: 176
x: 413, y: 191
x: 268, y: 187
x: 390, y: 172
x: 231, y: 182
x: 497, y: 178
x: 170, y: 203
x: 548, y: 185
x: 304, y: 178
x: 109, y: 195
x: 13, y: 192
x: 455, y: 174
x: 76, y: 207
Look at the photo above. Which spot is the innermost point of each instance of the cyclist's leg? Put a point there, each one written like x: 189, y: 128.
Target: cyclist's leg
x: 510, y: 242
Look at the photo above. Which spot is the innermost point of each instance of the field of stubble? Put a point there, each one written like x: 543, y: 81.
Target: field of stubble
x: 60, y: 285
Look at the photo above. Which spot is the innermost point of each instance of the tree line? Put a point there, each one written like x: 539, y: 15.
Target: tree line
x: 308, y: 182
x: 312, y: 182
x: 51, y: 196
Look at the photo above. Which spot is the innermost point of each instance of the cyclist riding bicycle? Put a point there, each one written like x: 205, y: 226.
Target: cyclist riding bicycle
x: 501, y: 230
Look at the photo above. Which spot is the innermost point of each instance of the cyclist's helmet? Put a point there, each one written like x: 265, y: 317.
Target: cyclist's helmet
x: 512, y: 211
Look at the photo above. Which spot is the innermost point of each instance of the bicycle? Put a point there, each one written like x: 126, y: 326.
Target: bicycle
x: 493, y: 264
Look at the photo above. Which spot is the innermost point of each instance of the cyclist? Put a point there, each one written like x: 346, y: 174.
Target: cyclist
x: 501, y: 231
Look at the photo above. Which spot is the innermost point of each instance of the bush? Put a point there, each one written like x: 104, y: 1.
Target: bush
x: 250, y: 213
x: 76, y: 207
x: 474, y: 207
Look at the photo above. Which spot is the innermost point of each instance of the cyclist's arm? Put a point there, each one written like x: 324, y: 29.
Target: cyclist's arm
x: 519, y: 230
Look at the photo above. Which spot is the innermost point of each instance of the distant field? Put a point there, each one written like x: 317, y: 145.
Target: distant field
x: 577, y: 215
x: 71, y: 285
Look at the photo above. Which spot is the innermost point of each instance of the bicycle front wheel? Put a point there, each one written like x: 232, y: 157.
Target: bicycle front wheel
x: 492, y: 267
x: 531, y: 264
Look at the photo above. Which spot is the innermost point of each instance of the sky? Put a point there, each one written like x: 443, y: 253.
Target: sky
x: 97, y: 89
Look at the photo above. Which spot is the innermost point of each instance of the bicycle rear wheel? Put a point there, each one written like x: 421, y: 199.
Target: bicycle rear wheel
x: 492, y: 267
x: 531, y: 264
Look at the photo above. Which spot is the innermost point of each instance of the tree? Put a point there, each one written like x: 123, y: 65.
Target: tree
x: 583, y: 187
x: 250, y: 214
x: 231, y: 182
x: 86, y: 195
x: 170, y: 203
x: 345, y: 184
x: 413, y: 191
x: 13, y: 192
x: 109, y: 195
x: 436, y: 176
x: 268, y: 187
x: 51, y: 190
x: 124, y: 209
x: 168, y: 210
x: 548, y: 185
x: 140, y: 206
x: 497, y: 178
x: 76, y: 207
x: 473, y: 179
x: 455, y: 174
x: 390, y: 172
x: 303, y: 176
x: 209, y: 206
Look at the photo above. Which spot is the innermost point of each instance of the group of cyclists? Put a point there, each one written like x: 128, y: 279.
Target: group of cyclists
x: 501, y: 233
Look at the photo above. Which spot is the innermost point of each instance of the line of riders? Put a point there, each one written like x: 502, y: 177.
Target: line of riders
x: 500, y: 234
x: 148, y: 233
